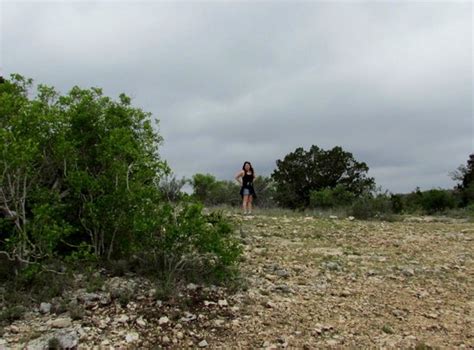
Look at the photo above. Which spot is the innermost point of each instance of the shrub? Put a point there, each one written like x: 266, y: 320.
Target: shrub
x: 412, y: 201
x: 368, y: 207
x: 85, y: 164
x: 437, y: 200
x: 211, y: 192
x: 11, y: 314
x: 172, y: 188
x: 322, y: 199
x: 397, y: 203
x: 54, y: 343
x: 80, y: 180
x: 187, y: 242
x: 331, y: 197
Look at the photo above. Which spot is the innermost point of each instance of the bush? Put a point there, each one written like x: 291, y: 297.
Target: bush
x: 40, y: 283
x: 437, y: 200
x: 412, y: 201
x: 82, y: 180
x: 331, y: 197
x: 188, y: 243
x: 172, y: 188
x: 367, y: 207
x: 397, y: 203
x: 86, y: 165
x: 11, y: 314
x: 212, y: 192
x: 322, y: 199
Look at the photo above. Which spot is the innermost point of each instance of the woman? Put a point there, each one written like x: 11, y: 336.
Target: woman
x: 245, y: 178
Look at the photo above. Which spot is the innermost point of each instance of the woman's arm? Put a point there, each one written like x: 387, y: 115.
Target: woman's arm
x: 238, y: 176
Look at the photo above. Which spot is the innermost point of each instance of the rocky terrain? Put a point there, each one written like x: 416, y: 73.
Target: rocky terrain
x: 306, y: 283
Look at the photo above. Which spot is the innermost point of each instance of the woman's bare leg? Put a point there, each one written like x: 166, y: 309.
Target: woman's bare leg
x: 244, y: 203
x: 249, y: 204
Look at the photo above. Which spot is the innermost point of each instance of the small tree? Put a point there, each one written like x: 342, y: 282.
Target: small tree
x: 210, y: 191
x: 301, y: 172
x: 465, y: 174
x: 204, y: 186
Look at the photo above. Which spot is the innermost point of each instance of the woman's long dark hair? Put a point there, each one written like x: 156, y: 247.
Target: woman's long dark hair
x: 243, y: 167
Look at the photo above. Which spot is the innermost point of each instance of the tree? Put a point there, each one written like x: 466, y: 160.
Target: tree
x: 465, y: 174
x: 301, y: 172
x: 204, y: 185
x: 210, y: 191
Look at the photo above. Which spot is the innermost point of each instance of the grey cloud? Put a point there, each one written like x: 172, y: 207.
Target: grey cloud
x: 391, y: 83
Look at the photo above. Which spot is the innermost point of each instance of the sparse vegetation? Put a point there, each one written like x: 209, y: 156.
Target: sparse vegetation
x: 86, y: 198
x: 11, y: 313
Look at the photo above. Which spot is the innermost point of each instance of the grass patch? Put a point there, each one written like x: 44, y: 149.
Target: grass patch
x: 76, y: 312
x: 11, y: 314
x: 387, y: 329
x: 95, y: 282
x: 54, y: 343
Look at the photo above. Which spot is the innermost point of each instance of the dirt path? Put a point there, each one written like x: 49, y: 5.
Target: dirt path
x: 307, y: 283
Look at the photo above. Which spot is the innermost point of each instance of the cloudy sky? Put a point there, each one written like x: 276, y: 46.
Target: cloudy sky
x: 230, y: 81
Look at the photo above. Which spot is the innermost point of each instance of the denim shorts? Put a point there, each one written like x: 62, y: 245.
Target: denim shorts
x: 246, y: 192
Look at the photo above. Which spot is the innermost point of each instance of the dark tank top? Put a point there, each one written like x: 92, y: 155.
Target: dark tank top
x: 247, y: 180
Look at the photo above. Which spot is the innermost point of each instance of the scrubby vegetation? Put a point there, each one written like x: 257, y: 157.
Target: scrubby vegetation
x: 85, y: 197
x: 334, y: 182
x: 82, y: 182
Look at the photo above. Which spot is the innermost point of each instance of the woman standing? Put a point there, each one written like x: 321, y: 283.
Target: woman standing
x: 245, y: 178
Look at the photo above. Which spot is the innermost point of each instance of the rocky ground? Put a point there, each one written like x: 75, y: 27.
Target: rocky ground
x: 307, y: 283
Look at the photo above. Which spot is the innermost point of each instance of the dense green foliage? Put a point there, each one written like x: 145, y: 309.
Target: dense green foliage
x: 437, y: 200
x: 331, y: 197
x: 211, y: 192
x: 77, y: 169
x: 417, y: 202
x: 302, y: 172
x: 81, y: 177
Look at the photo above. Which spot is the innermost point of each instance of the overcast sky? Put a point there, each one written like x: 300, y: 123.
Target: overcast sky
x: 391, y: 82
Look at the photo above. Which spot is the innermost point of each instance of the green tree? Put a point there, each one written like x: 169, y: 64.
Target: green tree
x: 204, y: 185
x: 75, y: 168
x: 210, y: 191
x: 301, y: 172
x: 436, y: 200
x: 465, y: 175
